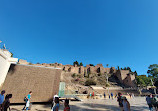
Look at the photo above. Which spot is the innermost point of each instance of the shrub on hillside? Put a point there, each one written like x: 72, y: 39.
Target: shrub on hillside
x: 73, y: 75
x: 90, y: 82
x: 99, y: 74
x: 78, y: 76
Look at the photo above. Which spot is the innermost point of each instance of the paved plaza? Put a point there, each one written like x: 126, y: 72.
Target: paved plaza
x: 137, y: 104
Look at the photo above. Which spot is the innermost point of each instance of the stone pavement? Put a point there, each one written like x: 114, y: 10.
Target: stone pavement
x: 137, y: 104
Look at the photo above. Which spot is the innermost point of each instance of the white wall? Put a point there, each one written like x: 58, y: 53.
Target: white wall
x: 5, y: 61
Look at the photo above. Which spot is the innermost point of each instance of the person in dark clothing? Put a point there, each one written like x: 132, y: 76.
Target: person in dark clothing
x: 66, y: 104
x: 112, y: 95
x: 109, y: 96
x: 104, y: 95
x: 116, y: 96
x: 120, y: 100
x: 154, y: 102
x: 6, y: 103
x: 148, y: 100
x: 1, y: 99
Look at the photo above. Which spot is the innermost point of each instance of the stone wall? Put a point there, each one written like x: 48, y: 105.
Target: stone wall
x: 42, y: 81
x: 75, y: 69
x: 122, y: 75
x: 23, y: 62
x: 125, y: 77
x: 130, y: 80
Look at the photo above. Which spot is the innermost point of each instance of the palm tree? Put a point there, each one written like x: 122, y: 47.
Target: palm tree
x: 107, y: 65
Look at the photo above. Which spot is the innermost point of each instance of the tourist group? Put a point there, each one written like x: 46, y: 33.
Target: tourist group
x: 5, y: 102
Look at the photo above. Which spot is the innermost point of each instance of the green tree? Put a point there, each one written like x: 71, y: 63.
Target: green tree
x: 125, y: 68
x: 90, y: 82
x: 128, y: 68
x: 153, y: 70
x: 91, y: 64
x: 156, y: 83
x: 81, y: 64
x: 111, y: 70
x: 143, y: 80
x: 118, y: 68
x: 76, y: 63
x: 135, y: 73
x: 107, y: 65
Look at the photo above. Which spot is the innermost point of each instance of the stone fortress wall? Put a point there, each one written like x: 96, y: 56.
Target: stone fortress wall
x: 125, y: 77
x: 42, y: 81
x: 75, y: 69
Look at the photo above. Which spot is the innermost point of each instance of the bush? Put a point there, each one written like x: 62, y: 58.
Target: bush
x: 90, y: 82
x: 30, y: 63
x: 99, y: 74
x: 78, y: 76
x: 73, y: 75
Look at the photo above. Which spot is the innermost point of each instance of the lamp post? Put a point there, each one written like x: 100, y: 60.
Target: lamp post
x: 107, y: 81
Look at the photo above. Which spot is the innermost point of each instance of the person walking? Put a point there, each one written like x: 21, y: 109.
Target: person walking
x: 119, y: 100
x: 90, y: 95
x: 111, y: 95
x: 53, y: 102
x: 66, y: 104
x: 148, y: 100
x: 1, y: 98
x: 116, y: 96
x: 56, y: 106
x: 93, y: 95
x: 104, y: 95
x: 27, y: 100
x: 154, y: 102
x: 126, y: 104
x: 6, y: 103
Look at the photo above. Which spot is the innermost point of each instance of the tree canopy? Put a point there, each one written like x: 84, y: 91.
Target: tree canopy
x: 91, y: 64
x: 81, y: 64
x: 77, y: 63
x: 153, y: 70
x: 143, y: 80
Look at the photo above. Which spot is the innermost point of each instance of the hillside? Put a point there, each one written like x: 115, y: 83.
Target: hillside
x: 78, y: 83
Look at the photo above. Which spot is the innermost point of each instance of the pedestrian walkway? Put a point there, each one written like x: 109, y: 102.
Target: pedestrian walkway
x: 137, y: 104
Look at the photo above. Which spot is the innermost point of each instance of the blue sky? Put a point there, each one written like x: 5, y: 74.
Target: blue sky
x: 115, y: 32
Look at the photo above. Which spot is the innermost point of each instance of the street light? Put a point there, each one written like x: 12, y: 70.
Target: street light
x: 107, y: 80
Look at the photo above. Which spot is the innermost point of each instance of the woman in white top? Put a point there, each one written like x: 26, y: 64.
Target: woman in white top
x: 126, y: 105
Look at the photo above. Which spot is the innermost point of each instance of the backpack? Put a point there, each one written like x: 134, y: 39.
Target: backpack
x: 153, y: 100
x: 25, y: 99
